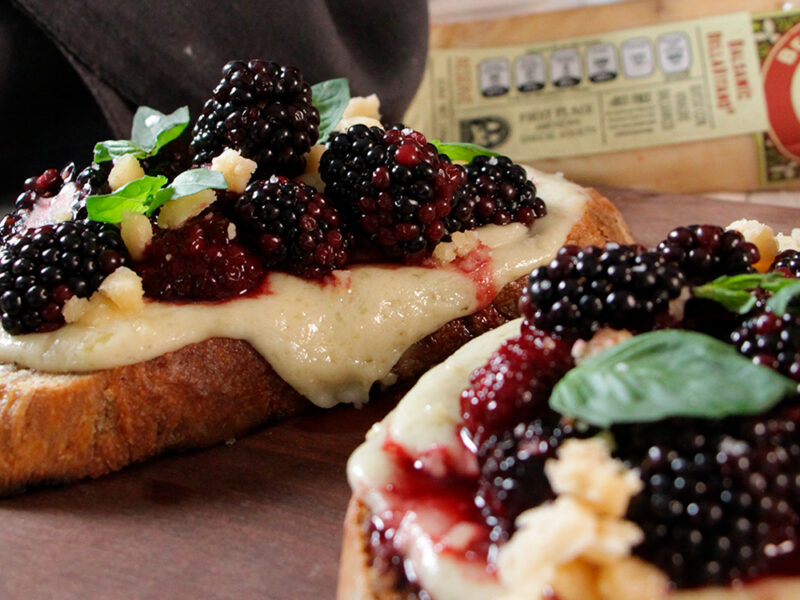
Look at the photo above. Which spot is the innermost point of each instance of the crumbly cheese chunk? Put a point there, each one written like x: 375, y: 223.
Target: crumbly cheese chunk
x: 136, y: 232
x: 236, y: 168
x: 126, y: 169
x: 176, y: 212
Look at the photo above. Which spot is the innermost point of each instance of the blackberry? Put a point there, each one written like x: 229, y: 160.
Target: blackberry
x: 171, y: 160
x: 199, y: 261
x: 582, y: 290
x: 394, y: 186
x: 720, y: 498
x: 705, y: 252
x: 264, y: 111
x: 503, y: 191
x: 512, y: 477
x: 43, y: 267
x: 513, y: 386
x: 787, y: 262
x: 36, y: 191
x: 293, y: 226
x: 771, y: 340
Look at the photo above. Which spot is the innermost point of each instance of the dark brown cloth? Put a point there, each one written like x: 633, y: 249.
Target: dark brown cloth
x: 169, y: 53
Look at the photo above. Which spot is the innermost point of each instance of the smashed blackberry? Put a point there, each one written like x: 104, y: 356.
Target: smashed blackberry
x: 37, y: 191
x: 394, y: 186
x: 43, y: 267
x: 512, y: 477
x: 264, y: 111
x: 582, y: 290
x: 705, y: 252
x: 720, y: 498
x: 514, y: 385
x: 293, y: 226
x: 200, y: 261
x: 788, y: 263
x: 771, y: 340
x: 504, y: 192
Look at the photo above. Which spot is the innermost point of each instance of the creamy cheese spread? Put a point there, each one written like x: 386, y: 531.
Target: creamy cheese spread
x: 330, y: 341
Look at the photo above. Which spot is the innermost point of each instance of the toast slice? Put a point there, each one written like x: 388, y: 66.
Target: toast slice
x: 59, y: 427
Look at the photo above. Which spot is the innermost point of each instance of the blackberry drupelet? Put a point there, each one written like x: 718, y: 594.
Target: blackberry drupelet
x: 514, y: 386
x: 171, y: 160
x: 264, y: 111
x: 503, y: 192
x: 705, y: 252
x: 43, y: 267
x: 394, y: 186
x: 720, y: 497
x: 771, y: 340
x: 293, y: 226
x: 582, y: 290
x: 200, y: 261
x: 788, y: 263
x: 512, y: 477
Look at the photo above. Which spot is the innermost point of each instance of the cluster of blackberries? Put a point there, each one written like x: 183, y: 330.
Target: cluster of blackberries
x: 42, y: 267
x: 264, y: 111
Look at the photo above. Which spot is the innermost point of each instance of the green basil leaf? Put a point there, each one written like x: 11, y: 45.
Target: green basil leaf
x: 462, y: 151
x: 188, y: 183
x: 667, y: 373
x: 733, y: 291
x: 330, y: 98
x: 779, y: 303
x: 134, y: 196
x: 151, y: 131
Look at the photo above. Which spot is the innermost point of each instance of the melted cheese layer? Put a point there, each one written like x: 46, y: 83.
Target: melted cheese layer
x: 330, y: 342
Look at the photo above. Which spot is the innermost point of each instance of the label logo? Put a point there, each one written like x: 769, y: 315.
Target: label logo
x: 487, y: 131
x: 782, y: 91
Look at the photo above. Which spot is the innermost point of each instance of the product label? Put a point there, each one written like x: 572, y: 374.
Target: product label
x: 650, y: 86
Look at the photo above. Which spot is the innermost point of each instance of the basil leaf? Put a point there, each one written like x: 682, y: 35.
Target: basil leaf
x: 151, y: 131
x: 188, y: 183
x: 733, y: 291
x: 330, y: 98
x: 462, y: 151
x: 779, y: 303
x: 134, y: 196
x: 667, y: 373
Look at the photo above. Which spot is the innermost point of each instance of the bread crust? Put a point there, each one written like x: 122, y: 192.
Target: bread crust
x: 62, y: 427
x: 358, y: 580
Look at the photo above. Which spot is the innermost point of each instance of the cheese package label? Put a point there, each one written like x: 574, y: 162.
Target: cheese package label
x: 701, y: 79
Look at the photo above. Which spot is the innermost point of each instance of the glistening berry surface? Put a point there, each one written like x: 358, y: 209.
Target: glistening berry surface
x: 263, y: 110
x: 771, y: 340
x: 394, y: 186
x: 788, y: 263
x: 202, y: 260
x: 43, y: 267
x: 293, y: 226
x: 582, y: 290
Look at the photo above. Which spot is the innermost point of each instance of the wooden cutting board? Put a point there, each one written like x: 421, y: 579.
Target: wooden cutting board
x: 258, y: 518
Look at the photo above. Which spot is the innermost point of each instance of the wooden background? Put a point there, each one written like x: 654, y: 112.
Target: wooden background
x: 260, y: 518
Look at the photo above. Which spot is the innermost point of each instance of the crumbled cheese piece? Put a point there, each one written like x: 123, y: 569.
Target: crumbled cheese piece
x: 126, y: 169
x: 75, y: 308
x: 600, y: 341
x: 762, y: 236
x: 136, y: 232
x: 231, y: 231
x: 124, y: 288
x: 363, y: 106
x: 310, y: 175
x: 631, y: 579
x: 581, y: 532
x: 789, y: 242
x: 121, y: 291
x: 176, y: 212
x: 347, y: 123
x: 586, y: 471
x: 462, y: 244
x: 236, y: 168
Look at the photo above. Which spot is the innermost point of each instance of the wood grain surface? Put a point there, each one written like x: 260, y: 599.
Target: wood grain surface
x: 258, y: 518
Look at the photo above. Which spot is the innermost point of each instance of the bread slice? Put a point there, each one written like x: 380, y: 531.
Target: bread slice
x: 62, y: 427
x: 358, y: 580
